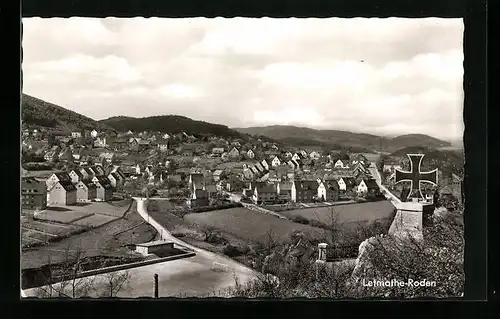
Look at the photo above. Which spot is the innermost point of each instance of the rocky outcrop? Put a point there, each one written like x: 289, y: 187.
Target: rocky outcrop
x: 363, y: 266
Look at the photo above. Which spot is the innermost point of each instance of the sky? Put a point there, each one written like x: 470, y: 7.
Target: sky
x: 380, y: 76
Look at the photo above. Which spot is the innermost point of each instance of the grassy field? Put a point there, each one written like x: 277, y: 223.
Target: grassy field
x: 61, y: 216
x: 107, y: 240
x: 95, y: 220
x: 52, y: 228
x: 350, y: 213
x: 249, y: 225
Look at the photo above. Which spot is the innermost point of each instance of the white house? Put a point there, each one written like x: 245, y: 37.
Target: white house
x: 340, y: 164
x: 100, y: 142
x: 275, y: 162
x: 303, y: 153
x: 314, y: 155
x: 296, y: 156
x: 94, y: 133
x: 288, y: 154
x: 76, y: 134
x: 166, y: 136
x: 137, y: 169
x: 250, y: 154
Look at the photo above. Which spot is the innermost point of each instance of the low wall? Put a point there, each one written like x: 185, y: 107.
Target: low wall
x: 100, y: 271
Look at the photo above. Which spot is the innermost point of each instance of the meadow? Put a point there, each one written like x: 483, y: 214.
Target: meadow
x: 250, y: 225
x: 363, y: 213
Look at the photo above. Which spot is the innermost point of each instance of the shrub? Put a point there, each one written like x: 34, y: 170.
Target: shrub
x: 235, y: 251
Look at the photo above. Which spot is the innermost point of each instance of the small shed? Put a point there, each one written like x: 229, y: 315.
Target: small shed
x: 154, y: 247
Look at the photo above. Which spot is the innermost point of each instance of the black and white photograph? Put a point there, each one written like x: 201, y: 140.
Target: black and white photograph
x: 242, y: 157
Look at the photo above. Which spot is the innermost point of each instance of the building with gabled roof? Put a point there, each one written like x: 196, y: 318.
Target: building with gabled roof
x: 304, y: 191
x: 63, y: 192
x: 264, y: 193
x: 328, y: 190
x: 367, y: 186
x: 104, y: 188
x: 56, y: 177
x: 86, y: 191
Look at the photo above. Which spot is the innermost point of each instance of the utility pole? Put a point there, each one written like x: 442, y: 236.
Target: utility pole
x: 156, y: 285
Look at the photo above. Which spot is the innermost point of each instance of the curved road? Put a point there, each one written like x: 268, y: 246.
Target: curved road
x: 166, y: 235
x: 188, y: 277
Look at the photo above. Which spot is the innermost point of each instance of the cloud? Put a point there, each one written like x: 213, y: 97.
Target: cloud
x: 384, y: 76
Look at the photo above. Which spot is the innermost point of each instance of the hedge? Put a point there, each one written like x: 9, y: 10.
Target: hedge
x: 215, y: 207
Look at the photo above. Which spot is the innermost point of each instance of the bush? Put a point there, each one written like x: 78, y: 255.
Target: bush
x: 216, y: 207
x: 235, y: 251
x: 300, y: 219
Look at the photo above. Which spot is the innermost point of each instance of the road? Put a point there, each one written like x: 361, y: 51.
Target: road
x: 189, y: 277
x: 390, y: 196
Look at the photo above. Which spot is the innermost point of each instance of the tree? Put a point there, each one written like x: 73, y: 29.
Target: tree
x: 63, y: 278
x: 114, y: 283
x: 438, y: 258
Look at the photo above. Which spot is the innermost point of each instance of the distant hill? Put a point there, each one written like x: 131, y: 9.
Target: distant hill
x: 39, y: 113
x: 336, y: 138
x: 169, y: 124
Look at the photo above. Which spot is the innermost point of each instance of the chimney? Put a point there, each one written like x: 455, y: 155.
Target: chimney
x: 322, y: 251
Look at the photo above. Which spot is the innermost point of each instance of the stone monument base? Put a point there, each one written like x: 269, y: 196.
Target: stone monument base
x: 410, y: 219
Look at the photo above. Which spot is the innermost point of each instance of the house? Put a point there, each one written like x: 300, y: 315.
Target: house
x: 166, y: 136
x: 50, y: 156
x: 217, y: 150
x: 391, y: 165
x: 94, y: 133
x: 264, y: 164
x: 340, y: 164
x: 33, y: 193
x: 107, y: 156
x: 284, y: 190
x: 275, y: 162
x: 250, y: 154
x: 76, y: 134
x: 116, y: 180
x: 304, y: 191
x: 162, y: 145
x: 63, y: 192
x: 328, y: 190
x: 297, y: 156
x: 366, y: 186
x: 264, y: 194
x: 104, y: 190
x: 76, y: 176
x: 57, y: 177
x: 119, y: 143
x: 199, y: 198
x: 87, y: 173
x: 273, y: 176
x: 314, y: 155
x: 295, y: 164
x: 303, y: 153
x: 346, y: 183
x: 97, y: 170
x: 248, y: 173
x: 217, y: 174
x: 288, y: 154
x: 86, y: 191
x: 234, y: 153
x: 195, y: 180
x: 100, y: 141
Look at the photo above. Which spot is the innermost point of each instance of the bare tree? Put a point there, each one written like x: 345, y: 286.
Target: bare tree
x: 114, y: 282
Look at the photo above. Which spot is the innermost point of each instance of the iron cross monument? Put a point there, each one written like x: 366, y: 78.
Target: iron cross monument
x: 415, y: 176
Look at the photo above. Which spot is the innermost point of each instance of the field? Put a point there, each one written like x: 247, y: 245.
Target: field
x: 108, y: 240
x: 65, y: 216
x: 350, y: 213
x: 249, y: 225
x: 72, y: 214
